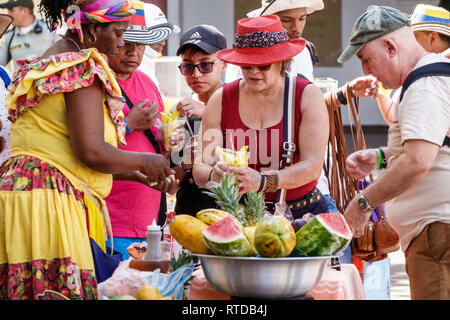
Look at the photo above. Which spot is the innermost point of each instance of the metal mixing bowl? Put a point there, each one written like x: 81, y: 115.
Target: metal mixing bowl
x: 259, y: 277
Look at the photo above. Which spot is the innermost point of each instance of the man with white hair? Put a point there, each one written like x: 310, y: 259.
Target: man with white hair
x: 415, y: 187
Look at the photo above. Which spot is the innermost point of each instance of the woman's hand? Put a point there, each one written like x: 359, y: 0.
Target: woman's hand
x: 248, y: 178
x: 361, y: 163
x: 141, y: 117
x: 157, y: 170
x: 190, y: 107
x: 217, y: 171
x: 366, y: 86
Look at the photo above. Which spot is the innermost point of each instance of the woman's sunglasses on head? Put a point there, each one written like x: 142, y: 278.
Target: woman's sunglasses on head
x: 187, y: 69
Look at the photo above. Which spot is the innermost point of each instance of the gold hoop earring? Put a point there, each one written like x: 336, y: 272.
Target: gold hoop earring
x: 95, y: 39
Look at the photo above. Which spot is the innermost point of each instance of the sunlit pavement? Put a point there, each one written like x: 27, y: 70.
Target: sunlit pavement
x: 399, y: 278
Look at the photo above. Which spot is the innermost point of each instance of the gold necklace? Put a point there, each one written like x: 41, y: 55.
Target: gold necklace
x: 74, y: 42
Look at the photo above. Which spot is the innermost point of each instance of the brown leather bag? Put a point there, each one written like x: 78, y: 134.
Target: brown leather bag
x: 379, y: 238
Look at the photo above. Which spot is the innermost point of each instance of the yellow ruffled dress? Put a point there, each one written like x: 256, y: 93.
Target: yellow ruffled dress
x: 47, y: 196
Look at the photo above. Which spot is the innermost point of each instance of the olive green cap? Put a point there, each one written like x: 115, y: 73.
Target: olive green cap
x: 377, y: 21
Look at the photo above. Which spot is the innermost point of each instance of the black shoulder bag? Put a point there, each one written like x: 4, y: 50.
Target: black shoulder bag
x: 149, y: 134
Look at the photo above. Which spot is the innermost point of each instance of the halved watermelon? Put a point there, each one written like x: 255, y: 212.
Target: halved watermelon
x: 225, y: 238
x: 325, y: 234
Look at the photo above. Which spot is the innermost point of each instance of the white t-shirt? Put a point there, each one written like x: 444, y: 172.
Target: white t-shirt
x: 424, y: 113
x: 6, y: 125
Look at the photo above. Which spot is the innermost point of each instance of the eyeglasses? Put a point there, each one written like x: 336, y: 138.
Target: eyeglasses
x: 260, y: 68
x: 187, y: 69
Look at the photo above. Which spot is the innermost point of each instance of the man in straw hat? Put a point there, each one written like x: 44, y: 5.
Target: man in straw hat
x: 415, y: 186
x: 431, y: 27
x: 5, y: 22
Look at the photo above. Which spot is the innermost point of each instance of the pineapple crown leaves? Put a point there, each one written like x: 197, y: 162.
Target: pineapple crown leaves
x: 226, y: 194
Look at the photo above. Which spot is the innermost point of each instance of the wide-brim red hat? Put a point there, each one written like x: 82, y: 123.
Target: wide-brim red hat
x: 261, y: 41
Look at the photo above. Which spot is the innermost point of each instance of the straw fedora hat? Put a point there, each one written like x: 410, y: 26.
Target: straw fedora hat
x: 5, y: 22
x: 273, y: 6
x: 430, y: 18
x: 261, y: 41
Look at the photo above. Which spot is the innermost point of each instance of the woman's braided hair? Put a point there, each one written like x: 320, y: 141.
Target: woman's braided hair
x: 53, y: 11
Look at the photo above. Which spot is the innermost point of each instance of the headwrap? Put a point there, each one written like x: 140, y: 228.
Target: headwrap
x: 100, y: 11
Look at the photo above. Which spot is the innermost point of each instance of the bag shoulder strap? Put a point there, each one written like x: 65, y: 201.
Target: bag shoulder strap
x: 313, y: 53
x: 5, y: 77
x: 148, y: 133
x: 288, y: 128
x: 433, y: 69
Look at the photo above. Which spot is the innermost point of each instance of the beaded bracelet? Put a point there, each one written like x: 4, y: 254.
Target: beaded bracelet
x: 182, y: 168
x: 271, y: 182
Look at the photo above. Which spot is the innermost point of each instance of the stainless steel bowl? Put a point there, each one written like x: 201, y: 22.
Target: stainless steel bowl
x: 258, y: 277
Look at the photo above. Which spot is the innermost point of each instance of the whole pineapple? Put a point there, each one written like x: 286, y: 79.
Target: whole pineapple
x: 254, y: 207
x: 227, y: 196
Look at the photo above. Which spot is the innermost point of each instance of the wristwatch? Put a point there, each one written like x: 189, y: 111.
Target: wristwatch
x: 363, y: 203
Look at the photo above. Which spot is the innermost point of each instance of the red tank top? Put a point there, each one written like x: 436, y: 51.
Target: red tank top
x: 262, y: 155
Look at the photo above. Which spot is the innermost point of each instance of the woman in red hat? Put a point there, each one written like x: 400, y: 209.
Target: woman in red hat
x: 250, y: 111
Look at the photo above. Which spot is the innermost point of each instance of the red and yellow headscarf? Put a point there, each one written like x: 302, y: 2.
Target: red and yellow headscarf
x: 100, y: 11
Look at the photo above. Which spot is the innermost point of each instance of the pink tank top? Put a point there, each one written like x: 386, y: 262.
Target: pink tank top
x: 262, y: 155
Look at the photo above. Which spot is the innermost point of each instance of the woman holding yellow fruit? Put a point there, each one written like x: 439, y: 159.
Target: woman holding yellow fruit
x: 250, y: 112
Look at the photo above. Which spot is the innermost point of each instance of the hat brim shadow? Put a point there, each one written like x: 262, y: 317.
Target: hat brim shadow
x: 262, y: 56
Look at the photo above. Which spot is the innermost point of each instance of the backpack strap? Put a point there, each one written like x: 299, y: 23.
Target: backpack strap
x: 313, y: 53
x: 433, y: 69
x: 5, y: 77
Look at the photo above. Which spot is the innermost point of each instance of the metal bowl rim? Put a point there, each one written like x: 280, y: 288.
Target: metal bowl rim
x: 259, y: 258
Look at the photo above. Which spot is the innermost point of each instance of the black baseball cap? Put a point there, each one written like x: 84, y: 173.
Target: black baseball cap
x: 206, y: 37
x: 14, y: 3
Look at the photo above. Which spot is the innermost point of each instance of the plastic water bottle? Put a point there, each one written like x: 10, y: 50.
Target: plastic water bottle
x: 153, y: 242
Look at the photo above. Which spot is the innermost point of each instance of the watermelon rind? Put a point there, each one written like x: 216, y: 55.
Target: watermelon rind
x: 236, y: 245
x: 316, y: 239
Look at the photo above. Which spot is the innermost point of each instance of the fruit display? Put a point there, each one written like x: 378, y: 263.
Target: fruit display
x: 274, y: 237
x: 325, y: 234
x: 233, y: 158
x: 187, y: 231
x: 225, y: 238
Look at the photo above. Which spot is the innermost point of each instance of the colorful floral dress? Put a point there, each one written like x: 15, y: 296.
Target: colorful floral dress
x: 46, y: 215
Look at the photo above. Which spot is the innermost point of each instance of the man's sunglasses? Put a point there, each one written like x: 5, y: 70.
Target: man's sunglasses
x: 260, y: 68
x: 187, y: 69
